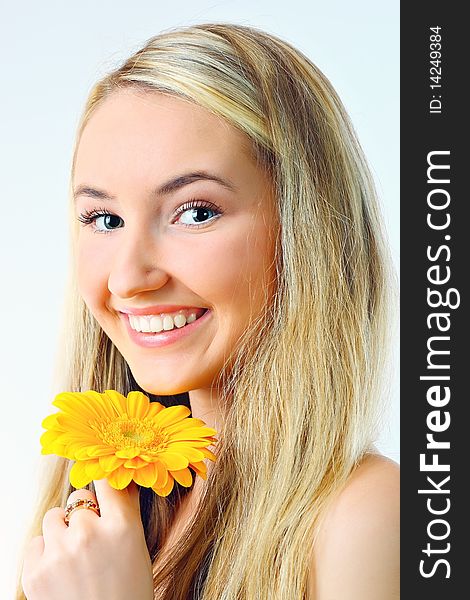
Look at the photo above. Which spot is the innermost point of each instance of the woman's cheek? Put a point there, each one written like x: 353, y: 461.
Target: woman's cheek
x: 92, y: 275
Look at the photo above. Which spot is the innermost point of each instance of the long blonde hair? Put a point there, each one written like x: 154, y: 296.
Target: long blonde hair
x: 303, y: 393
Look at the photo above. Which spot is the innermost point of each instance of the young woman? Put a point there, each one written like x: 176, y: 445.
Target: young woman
x: 216, y: 175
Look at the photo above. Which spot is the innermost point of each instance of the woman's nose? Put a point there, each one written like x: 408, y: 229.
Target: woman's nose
x: 137, y: 266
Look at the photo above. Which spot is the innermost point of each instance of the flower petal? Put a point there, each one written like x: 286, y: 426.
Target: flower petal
x: 135, y: 463
x: 129, y: 452
x: 93, y: 469
x: 208, y: 454
x: 171, y: 414
x: 137, y: 405
x: 118, y: 402
x: 81, y: 453
x: 93, y: 451
x: 148, y: 457
x: 193, y: 433
x: 187, y: 423
x: 69, y: 423
x: 202, y: 443
x: 146, y: 476
x: 73, y: 404
x: 111, y: 462
x: 80, y: 404
x: 200, y: 468
x: 154, y: 409
x: 186, y: 450
x: 153, y: 475
x: 163, y: 474
x: 100, y: 450
x: 120, y: 478
x: 167, y: 488
x: 50, y: 422
x: 183, y: 476
x: 57, y: 449
x: 78, y: 475
x: 77, y: 446
x: 100, y: 404
x: 48, y: 437
x: 171, y: 460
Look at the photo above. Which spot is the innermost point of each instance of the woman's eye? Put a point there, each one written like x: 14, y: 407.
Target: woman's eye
x: 102, y: 220
x: 109, y: 222
x: 197, y: 213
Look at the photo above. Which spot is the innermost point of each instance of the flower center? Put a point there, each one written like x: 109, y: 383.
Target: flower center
x: 125, y: 432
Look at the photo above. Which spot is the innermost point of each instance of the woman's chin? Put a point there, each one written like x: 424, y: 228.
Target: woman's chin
x: 162, y: 388
x: 159, y: 381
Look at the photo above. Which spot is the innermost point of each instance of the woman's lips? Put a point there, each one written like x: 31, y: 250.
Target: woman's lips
x: 159, y: 309
x: 164, y: 338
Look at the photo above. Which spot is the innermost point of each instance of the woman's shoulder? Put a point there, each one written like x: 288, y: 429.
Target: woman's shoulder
x: 356, y: 552
x: 376, y: 477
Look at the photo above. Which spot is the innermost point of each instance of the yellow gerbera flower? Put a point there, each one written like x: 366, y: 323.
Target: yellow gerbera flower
x: 124, y: 439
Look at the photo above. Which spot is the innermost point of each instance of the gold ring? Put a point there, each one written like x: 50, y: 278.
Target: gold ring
x: 80, y: 503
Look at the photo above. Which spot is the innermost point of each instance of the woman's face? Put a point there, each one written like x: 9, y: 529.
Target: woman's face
x: 175, y: 238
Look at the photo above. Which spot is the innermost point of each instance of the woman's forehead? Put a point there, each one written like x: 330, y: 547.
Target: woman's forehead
x: 165, y: 125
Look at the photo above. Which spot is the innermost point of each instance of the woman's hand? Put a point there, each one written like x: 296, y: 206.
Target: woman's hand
x: 95, y: 557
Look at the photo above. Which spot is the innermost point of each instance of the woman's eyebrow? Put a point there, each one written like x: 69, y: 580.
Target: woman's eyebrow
x: 165, y: 189
x: 181, y: 180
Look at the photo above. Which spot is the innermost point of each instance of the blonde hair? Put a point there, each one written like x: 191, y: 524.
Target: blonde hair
x: 302, y: 398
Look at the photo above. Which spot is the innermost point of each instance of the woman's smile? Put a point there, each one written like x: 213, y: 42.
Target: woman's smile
x: 175, y: 217
x: 164, y: 321
x: 166, y: 332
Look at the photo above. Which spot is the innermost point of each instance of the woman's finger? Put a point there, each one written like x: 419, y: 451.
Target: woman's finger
x: 80, y: 512
x: 82, y: 493
x: 117, y: 503
x: 53, y: 526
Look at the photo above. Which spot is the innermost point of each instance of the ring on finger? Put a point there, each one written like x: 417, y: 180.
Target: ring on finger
x: 80, y: 503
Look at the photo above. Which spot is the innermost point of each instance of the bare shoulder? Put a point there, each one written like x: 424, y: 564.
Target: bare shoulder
x: 356, y: 553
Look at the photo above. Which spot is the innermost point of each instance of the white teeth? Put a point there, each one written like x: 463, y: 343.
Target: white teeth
x: 144, y: 325
x: 179, y: 320
x: 168, y: 323
x: 155, y: 324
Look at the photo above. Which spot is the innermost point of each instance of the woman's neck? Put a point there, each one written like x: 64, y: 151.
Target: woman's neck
x: 205, y: 405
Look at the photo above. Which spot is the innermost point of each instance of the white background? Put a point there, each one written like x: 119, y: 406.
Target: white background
x: 52, y: 52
